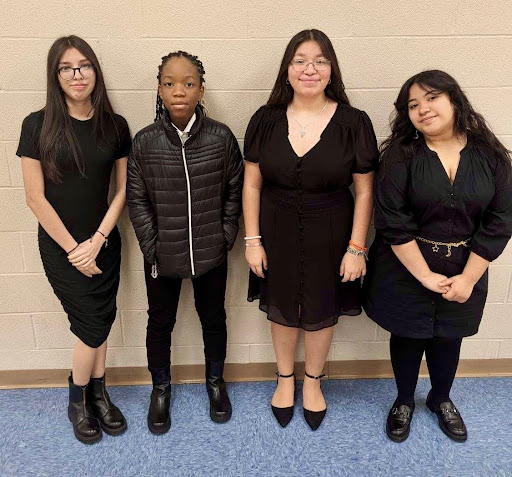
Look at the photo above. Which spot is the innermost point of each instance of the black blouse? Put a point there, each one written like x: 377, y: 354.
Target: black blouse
x: 416, y: 198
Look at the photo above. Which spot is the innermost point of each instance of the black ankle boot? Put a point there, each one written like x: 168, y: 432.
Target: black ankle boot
x: 220, y: 406
x: 85, y: 426
x: 159, y: 419
x: 110, y: 417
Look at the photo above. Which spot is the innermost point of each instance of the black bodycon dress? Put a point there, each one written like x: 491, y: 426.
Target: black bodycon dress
x: 306, y: 215
x: 81, y: 203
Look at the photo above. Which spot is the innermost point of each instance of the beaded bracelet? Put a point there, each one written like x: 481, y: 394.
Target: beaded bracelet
x: 358, y: 247
x: 253, y: 237
x: 357, y: 253
x: 103, y: 235
x: 253, y: 244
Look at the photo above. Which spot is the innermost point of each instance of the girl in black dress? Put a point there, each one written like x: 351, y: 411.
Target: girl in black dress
x: 184, y: 197
x: 68, y: 150
x: 443, y: 213
x: 305, y: 237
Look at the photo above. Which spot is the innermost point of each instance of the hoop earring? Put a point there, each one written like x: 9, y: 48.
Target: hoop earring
x: 416, y: 135
x: 329, y: 82
x: 287, y: 82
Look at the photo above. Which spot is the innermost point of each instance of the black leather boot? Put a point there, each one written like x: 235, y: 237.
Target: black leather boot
x: 159, y: 419
x: 220, y: 406
x: 110, y: 417
x: 85, y: 426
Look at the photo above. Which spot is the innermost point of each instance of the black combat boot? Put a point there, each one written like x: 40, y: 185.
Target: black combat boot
x: 85, y: 426
x: 220, y: 406
x: 110, y: 417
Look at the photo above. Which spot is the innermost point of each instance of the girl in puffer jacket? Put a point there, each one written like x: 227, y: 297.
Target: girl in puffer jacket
x: 184, y: 196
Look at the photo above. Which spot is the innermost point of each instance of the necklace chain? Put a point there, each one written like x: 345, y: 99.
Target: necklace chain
x: 302, y: 131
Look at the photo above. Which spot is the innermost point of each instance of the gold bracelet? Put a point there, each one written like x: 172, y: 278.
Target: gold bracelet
x: 448, y: 245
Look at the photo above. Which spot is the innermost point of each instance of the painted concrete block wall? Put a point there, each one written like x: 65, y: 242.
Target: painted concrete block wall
x: 379, y: 45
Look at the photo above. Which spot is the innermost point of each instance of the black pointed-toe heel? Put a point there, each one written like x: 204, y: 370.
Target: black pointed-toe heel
x: 314, y: 418
x: 284, y: 414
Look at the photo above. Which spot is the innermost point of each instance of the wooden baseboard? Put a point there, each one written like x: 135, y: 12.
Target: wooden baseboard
x: 234, y: 372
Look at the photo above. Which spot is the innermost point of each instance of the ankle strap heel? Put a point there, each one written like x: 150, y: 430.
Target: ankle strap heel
x: 314, y: 377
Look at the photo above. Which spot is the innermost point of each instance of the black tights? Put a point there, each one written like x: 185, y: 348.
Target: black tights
x: 442, y: 356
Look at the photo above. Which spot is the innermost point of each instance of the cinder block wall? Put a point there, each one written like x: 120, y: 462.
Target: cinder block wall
x: 379, y: 45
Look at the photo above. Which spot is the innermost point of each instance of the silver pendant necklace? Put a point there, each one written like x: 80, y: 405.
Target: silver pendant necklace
x: 302, y: 131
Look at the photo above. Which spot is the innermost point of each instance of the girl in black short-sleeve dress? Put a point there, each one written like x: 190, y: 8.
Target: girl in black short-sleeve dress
x: 306, y: 215
x: 68, y: 152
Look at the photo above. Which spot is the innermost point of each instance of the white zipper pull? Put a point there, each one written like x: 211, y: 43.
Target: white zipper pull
x: 154, y: 270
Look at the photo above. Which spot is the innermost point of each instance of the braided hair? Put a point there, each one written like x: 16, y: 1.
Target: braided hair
x: 160, y: 107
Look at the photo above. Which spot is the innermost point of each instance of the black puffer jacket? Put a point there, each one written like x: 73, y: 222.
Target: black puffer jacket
x: 185, y: 200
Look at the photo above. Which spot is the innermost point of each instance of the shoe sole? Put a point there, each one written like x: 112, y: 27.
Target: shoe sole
x: 453, y: 437
x: 158, y: 430
x: 87, y: 440
x: 114, y: 431
x: 220, y: 419
x: 398, y: 438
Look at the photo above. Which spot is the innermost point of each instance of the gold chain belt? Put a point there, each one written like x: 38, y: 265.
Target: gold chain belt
x: 435, y: 248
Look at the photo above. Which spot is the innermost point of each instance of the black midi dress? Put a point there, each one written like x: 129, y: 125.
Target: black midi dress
x: 306, y: 214
x: 415, y: 198
x: 81, y: 203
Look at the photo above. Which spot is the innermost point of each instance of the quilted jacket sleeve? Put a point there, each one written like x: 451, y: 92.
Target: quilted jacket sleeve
x: 233, y: 191
x: 140, y: 206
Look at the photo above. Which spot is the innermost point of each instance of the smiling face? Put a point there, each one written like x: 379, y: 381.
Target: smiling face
x: 77, y: 89
x: 180, y: 89
x: 430, y: 111
x: 309, y: 82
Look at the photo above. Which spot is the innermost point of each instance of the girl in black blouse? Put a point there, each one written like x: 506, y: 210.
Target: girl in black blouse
x: 68, y: 151
x: 443, y: 213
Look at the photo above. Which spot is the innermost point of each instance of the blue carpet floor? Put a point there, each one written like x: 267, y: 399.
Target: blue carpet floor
x: 37, y: 439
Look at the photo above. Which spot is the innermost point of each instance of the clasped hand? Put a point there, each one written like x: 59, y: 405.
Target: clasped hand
x: 84, y: 257
x: 457, y: 288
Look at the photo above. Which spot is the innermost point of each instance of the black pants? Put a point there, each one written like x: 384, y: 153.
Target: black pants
x: 442, y: 356
x: 163, y: 296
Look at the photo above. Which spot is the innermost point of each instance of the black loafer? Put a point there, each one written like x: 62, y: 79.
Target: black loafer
x: 450, y: 420
x: 398, y: 423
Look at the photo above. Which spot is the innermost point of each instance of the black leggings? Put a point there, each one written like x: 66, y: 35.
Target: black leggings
x: 163, y: 296
x: 442, y: 356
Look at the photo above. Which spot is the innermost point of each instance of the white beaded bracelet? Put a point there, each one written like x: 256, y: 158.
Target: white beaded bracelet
x: 254, y: 237
x: 253, y: 244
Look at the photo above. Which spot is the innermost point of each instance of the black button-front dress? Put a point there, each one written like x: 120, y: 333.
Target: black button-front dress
x: 306, y: 214
x: 81, y: 203
x: 414, y: 197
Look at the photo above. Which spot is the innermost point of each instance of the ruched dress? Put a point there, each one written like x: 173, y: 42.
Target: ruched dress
x: 415, y: 198
x: 81, y: 204
x: 306, y: 214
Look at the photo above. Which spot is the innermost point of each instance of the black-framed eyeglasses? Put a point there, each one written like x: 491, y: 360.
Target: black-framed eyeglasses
x: 67, y: 73
x: 300, y: 65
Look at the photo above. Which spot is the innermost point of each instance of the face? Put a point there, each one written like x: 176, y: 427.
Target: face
x: 78, y: 88
x: 180, y: 89
x: 309, y: 82
x: 430, y: 111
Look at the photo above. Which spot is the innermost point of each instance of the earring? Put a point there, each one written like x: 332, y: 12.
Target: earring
x: 329, y: 82
x: 416, y: 135
x: 287, y: 82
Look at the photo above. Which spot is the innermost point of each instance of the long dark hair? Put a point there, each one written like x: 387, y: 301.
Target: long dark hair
x: 282, y: 92
x: 160, y: 107
x: 467, y: 120
x: 57, y: 132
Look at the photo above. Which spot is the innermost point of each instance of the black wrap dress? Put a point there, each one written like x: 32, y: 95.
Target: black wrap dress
x: 81, y: 203
x: 306, y: 214
x: 415, y: 198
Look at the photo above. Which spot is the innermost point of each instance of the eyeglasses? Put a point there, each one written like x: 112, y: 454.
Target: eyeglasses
x: 67, y: 73
x: 302, y: 65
